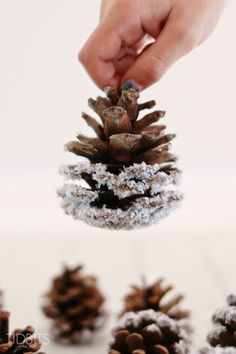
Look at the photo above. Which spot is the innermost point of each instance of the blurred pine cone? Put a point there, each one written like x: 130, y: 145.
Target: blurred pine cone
x: 148, y: 332
x: 158, y: 297
x: 75, y: 304
x: 130, y: 174
x: 21, y: 341
x: 223, y: 332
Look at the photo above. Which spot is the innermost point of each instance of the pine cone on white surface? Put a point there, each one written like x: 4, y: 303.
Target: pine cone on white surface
x: 148, y: 332
x: 75, y: 305
x: 223, y: 332
x: 159, y: 296
x: 130, y: 174
x: 222, y: 336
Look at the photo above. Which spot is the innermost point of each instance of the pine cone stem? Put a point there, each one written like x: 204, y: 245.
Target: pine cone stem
x: 128, y: 101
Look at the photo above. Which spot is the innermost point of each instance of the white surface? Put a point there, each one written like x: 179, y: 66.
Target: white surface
x: 194, y: 249
x: 43, y: 90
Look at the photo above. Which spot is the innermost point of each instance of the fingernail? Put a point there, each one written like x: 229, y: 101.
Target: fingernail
x: 131, y: 84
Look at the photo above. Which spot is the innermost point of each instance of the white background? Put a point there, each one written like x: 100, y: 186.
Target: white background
x: 43, y: 89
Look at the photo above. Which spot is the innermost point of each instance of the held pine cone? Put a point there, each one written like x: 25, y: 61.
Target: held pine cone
x: 148, y: 332
x: 21, y: 341
x: 223, y: 333
x: 75, y: 304
x: 130, y: 174
x: 154, y: 297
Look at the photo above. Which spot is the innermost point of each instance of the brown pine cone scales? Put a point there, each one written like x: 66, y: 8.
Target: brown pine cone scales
x: 21, y: 341
x: 223, y: 332
x: 154, y: 297
x: 130, y: 173
x: 148, y: 332
x: 75, y: 304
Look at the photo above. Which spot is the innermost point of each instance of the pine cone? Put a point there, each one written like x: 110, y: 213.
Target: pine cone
x: 223, y: 332
x: 75, y: 304
x: 154, y: 297
x: 130, y: 171
x: 148, y: 332
x: 22, y: 341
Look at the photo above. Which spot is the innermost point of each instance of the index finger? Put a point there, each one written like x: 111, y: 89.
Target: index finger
x: 105, y: 44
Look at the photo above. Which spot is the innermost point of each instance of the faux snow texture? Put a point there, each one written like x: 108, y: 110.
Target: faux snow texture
x: 217, y: 350
x: 147, y: 195
x: 148, y: 332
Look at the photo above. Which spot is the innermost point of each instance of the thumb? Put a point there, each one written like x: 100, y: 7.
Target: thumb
x: 173, y: 42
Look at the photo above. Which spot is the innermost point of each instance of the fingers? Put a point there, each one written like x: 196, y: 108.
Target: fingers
x: 123, y: 64
x: 175, y: 40
x: 97, y: 57
x: 102, y: 49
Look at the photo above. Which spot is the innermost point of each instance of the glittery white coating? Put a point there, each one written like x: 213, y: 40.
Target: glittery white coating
x: 216, y: 350
x: 143, y: 212
x: 154, y: 192
x: 226, y: 315
x: 135, y: 179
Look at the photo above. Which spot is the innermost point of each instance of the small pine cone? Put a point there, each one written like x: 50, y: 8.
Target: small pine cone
x: 148, y: 332
x: 155, y: 297
x: 75, y: 304
x: 223, y: 332
x: 21, y: 341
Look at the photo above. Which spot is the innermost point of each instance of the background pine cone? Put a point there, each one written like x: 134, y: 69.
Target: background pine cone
x: 75, y: 304
x: 22, y: 341
x: 131, y: 173
x: 223, y: 332
x: 155, y: 297
x: 148, y: 332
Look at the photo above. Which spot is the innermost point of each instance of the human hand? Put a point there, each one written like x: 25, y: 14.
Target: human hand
x: 139, y: 40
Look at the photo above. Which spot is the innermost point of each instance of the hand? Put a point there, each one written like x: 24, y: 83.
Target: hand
x: 138, y: 40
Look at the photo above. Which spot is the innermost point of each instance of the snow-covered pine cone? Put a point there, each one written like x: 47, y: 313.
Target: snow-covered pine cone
x: 158, y: 296
x: 76, y: 306
x: 130, y: 176
x: 21, y: 341
x: 148, y: 332
x: 223, y: 332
